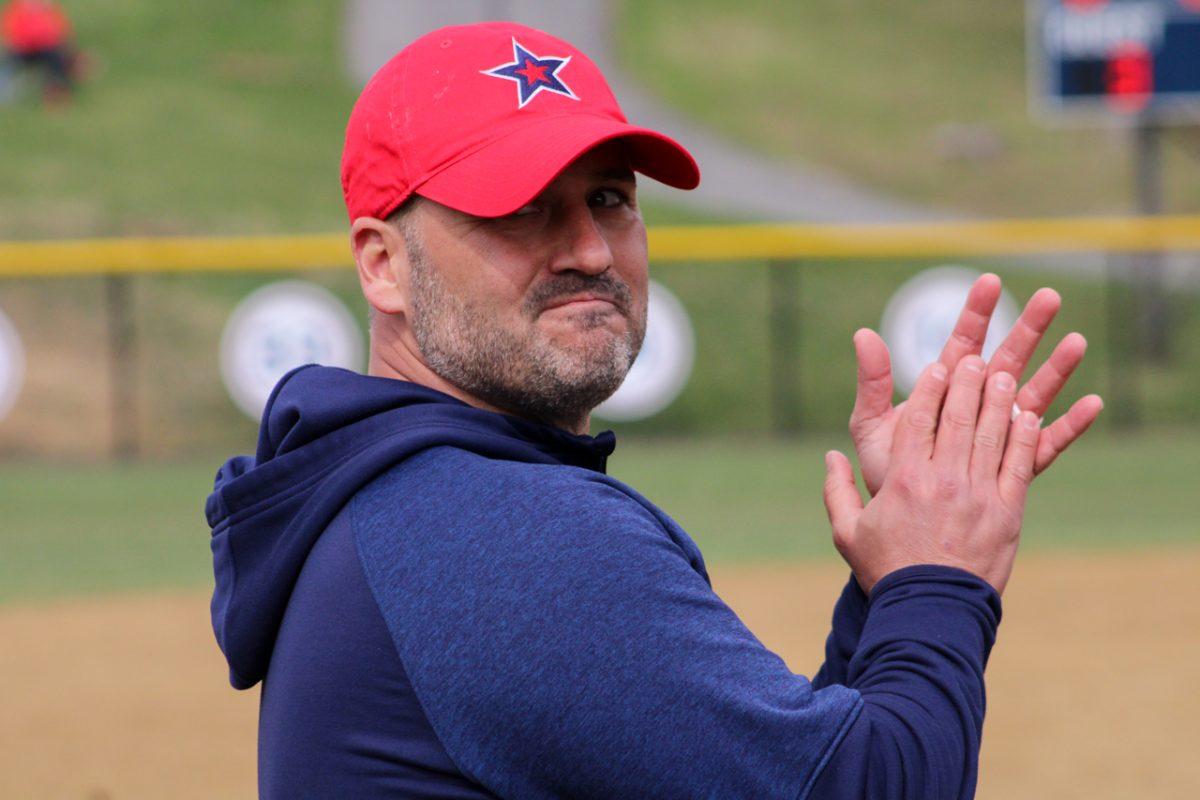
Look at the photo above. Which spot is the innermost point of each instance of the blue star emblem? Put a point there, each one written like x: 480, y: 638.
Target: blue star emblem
x: 533, y: 74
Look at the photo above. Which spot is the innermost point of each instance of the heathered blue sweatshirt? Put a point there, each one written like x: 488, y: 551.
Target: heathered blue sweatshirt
x: 444, y: 602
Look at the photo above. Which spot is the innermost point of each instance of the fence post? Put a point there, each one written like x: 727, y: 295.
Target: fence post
x: 784, y: 346
x: 122, y: 351
x: 1154, y: 323
x: 1124, y: 345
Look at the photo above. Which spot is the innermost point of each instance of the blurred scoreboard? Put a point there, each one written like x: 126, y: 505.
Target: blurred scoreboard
x: 1115, y: 58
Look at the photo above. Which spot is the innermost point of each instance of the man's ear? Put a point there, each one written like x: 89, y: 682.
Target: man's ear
x: 382, y: 261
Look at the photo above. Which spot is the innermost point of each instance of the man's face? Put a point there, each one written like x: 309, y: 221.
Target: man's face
x: 542, y: 312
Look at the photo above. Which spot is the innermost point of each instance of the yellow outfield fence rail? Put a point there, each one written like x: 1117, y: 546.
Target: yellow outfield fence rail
x: 778, y: 247
x: 667, y: 243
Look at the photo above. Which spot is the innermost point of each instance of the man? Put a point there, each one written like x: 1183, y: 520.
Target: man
x: 443, y: 593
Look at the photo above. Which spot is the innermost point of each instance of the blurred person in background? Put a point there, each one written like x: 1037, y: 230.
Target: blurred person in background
x: 36, y: 35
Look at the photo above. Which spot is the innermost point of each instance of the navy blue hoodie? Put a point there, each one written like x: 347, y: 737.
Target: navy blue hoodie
x: 446, y: 602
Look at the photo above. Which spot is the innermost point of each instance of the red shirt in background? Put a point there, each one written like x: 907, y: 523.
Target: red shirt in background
x: 30, y: 26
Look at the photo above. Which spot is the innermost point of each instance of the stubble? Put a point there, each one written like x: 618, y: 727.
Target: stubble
x: 523, y: 372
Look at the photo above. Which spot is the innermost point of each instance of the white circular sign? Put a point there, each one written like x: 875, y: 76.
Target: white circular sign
x: 12, y: 365
x: 663, y: 366
x: 279, y: 327
x: 921, y: 315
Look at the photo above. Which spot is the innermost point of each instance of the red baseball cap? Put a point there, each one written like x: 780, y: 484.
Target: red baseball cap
x: 481, y: 118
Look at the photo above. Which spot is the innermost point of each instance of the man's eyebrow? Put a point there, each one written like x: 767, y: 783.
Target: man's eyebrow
x: 616, y: 174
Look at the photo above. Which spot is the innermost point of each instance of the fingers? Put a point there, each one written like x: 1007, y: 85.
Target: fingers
x: 872, y: 421
x: 971, y: 328
x: 1013, y: 354
x: 1017, y: 470
x: 843, y: 504
x: 1059, y: 435
x: 873, y: 398
x: 1039, y: 393
x: 991, y: 433
x: 956, y: 431
x: 917, y: 425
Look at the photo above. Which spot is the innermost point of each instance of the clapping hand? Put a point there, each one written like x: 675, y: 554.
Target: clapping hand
x: 955, y: 492
x: 873, y: 422
x: 949, y: 469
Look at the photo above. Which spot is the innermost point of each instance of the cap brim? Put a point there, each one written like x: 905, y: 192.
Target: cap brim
x: 509, y: 172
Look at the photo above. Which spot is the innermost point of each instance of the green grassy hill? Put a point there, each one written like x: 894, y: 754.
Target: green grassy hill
x: 224, y: 116
x: 868, y: 87
x: 227, y: 116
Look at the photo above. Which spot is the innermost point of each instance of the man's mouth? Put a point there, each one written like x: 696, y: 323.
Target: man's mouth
x: 584, y: 301
x: 595, y: 297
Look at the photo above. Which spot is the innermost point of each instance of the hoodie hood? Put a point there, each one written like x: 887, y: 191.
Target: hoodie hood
x: 325, y: 434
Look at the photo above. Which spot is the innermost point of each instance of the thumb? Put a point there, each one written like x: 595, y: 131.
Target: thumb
x: 873, y: 393
x: 843, y: 503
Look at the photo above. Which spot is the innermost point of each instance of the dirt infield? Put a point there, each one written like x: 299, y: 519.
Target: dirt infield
x: 1092, y: 685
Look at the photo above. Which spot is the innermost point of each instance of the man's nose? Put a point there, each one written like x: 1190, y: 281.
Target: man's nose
x: 584, y: 247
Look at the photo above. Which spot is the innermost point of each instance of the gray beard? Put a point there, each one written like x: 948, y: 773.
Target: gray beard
x: 525, y: 375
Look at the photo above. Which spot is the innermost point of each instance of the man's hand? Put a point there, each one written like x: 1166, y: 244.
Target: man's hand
x: 873, y: 422
x: 955, y: 491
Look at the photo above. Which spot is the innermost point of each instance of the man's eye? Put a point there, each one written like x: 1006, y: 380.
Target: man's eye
x: 525, y: 210
x: 608, y: 198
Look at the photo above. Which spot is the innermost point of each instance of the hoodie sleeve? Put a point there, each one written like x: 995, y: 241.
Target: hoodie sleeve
x: 849, y: 617
x: 919, y: 667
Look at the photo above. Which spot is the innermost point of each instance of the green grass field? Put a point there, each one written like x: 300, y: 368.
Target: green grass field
x: 71, y: 530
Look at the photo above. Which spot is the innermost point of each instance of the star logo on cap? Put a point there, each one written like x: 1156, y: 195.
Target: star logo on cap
x: 533, y: 74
